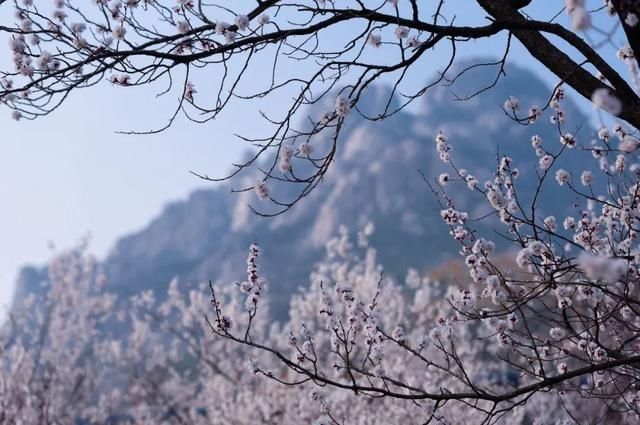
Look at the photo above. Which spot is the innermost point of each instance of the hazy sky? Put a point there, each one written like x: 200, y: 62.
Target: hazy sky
x: 69, y: 173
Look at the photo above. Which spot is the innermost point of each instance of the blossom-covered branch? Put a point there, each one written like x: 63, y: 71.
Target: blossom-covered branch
x: 314, y: 52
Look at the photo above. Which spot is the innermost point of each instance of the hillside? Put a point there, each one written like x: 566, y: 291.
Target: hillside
x: 375, y: 177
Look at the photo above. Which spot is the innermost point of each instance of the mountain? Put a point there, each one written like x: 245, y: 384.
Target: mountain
x: 374, y: 177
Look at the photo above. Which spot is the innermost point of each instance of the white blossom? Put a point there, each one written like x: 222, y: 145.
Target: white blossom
x: 343, y: 106
x: 242, y: 22
x: 402, y: 32
x: 586, y: 178
x: 568, y: 140
x: 603, y: 99
x: 631, y: 19
x: 545, y: 162
x: 262, y: 190
x: 374, y: 40
x: 557, y: 333
x: 264, y: 19
x: 512, y: 103
x: 562, y: 176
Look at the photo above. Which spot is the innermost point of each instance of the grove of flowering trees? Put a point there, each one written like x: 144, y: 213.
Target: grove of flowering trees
x: 551, y: 335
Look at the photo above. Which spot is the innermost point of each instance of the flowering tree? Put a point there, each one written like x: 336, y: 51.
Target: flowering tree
x: 313, y: 50
x: 46, y: 347
x: 557, y: 326
x: 549, y: 338
x: 170, y: 367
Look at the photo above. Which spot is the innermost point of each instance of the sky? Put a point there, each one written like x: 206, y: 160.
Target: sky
x: 70, y: 174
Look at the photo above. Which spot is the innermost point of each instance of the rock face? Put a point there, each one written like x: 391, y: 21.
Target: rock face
x: 374, y: 177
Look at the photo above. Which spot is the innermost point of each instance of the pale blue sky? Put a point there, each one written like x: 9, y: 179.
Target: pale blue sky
x: 69, y: 173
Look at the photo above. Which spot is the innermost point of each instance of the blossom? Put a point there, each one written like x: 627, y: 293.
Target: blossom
x: 343, y: 106
x: 625, y: 53
x: 285, y: 158
x: 374, y: 40
x: 230, y: 36
x: 306, y: 149
x: 78, y: 27
x: 413, y: 41
x: 586, y: 178
x: 262, y: 190
x: 545, y: 162
x: 399, y: 335
x: 631, y: 19
x: 119, y: 32
x: 224, y: 323
x: 443, y: 178
x: 619, y: 131
x: 442, y: 147
x: 620, y: 163
x: 568, y: 140
x: 264, y: 19
x: 551, y: 223
x: 221, y: 27
x: 562, y: 367
x: 512, y: 103
x: 242, y: 22
x: 558, y: 117
x: 189, y: 90
x: 534, y: 113
x: 451, y: 216
x: 464, y: 301
x: 536, y: 141
x: 401, y: 32
x: 183, y: 27
x: 44, y: 60
x: 569, y: 223
x: 603, y: 99
x: 536, y: 248
x: 471, y: 182
x: 496, y: 199
x: 562, y: 176
x: 557, y: 333
x: 59, y: 15
x: 603, y: 134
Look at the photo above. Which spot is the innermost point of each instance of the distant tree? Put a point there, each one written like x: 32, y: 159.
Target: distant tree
x: 304, y: 51
x: 48, y: 347
x: 62, y: 364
